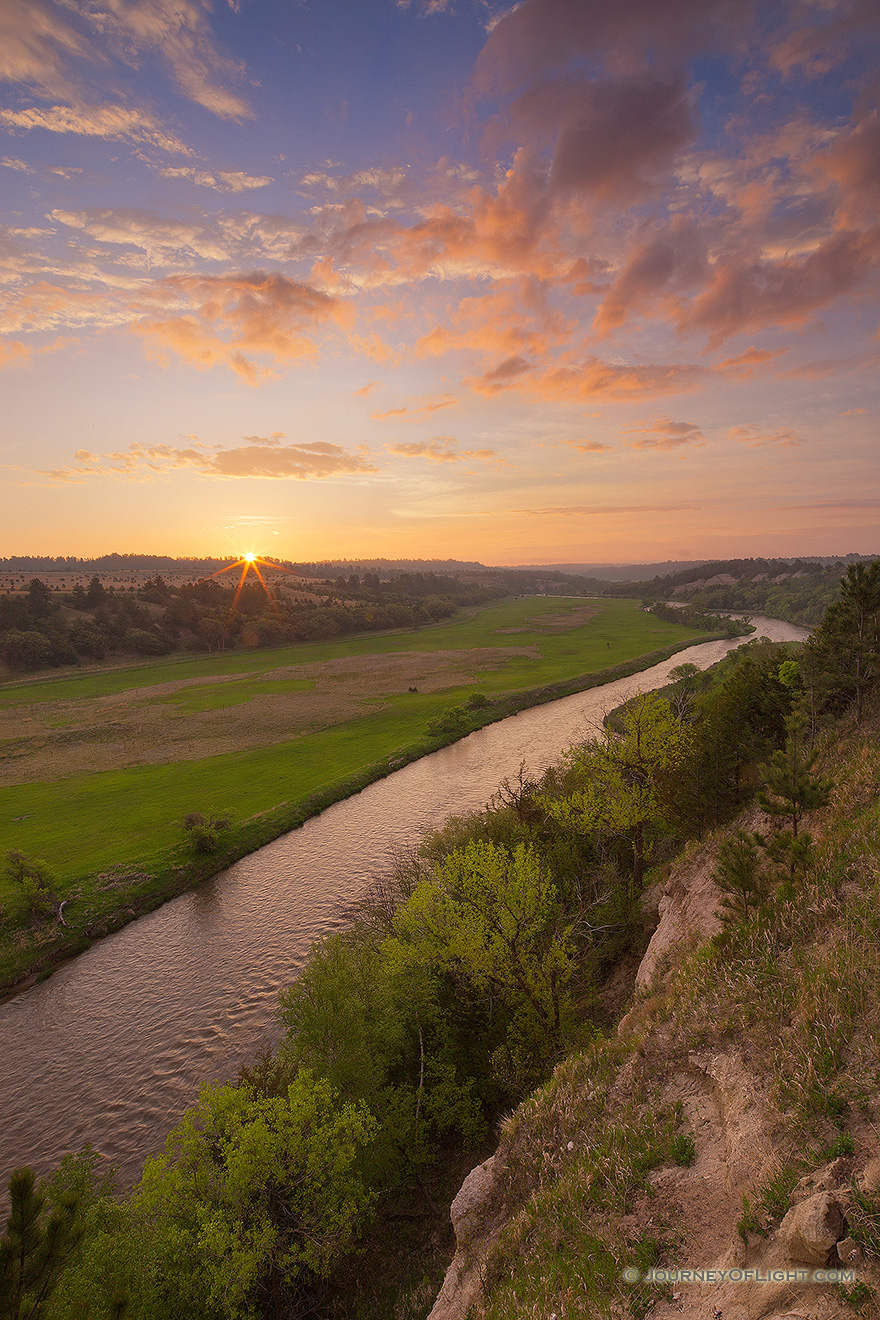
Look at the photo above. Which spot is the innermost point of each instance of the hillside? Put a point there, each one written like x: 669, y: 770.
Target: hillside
x: 731, y: 1122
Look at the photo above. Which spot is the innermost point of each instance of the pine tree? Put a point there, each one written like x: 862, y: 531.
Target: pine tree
x: 34, y: 1247
x: 740, y: 877
x: 788, y: 786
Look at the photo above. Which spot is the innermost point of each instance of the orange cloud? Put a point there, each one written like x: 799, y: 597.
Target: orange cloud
x: 441, y: 450
x: 752, y: 434
x: 13, y: 352
x: 513, y: 319
x: 418, y: 413
x: 588, y: 446
x: 664, y: 433
x: 261, y: 456
x: 229, y: 319
x: 594, y: 379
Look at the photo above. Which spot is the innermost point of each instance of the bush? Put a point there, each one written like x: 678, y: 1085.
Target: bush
x: 33, y: 887
x: 205, y: 832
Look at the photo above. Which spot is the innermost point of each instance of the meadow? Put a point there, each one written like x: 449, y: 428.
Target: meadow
x: 99, y: 768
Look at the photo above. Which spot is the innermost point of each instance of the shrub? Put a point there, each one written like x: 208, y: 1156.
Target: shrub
x: 205, y: 832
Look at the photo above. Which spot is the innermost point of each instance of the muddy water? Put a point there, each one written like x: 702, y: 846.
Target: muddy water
x: 114, y: 1046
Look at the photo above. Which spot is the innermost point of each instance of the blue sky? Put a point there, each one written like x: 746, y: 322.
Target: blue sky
x: 545, y: 282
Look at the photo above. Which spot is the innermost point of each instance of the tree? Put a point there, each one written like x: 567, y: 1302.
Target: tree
x: 686, y: 678
x: 252, y: 1195
x: 26, y: 649
x: 34, y: 1248
x: 740, y: 877
x: 789, y: 788
x: 846, y: 645
x: 491, y: 918
x: 788, y: 785
x: 32, y: 884
x: 623, y: 775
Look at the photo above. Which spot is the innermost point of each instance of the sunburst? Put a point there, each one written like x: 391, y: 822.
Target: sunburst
x: 248, y: 563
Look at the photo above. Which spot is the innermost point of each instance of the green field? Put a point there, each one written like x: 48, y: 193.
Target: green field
x: 83, y: 824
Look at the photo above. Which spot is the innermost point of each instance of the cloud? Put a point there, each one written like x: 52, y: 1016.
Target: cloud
x: 260, y: 456
x: 540, y: 35
x: 114, y: 123
x: 441, y: 450
x: 160, y: 238
x: 500, y: 377
x: 753, y: 435
x: 179, y: 33
x: 745, y: 295
x: 366, y: 389
x: 417, y: 413
x: 233, y: 181
x: 35, y: 45
x: 671, y: 262
x: 593, y: 379
x: 14, y: 353
x: 513, y: 319
x: 664, y: 433
x: 746, y: 363
x: 228, y: 319
x: 605, y: 510
x: 588, y: 446
x: 853, y: 412
x: 612, y: 140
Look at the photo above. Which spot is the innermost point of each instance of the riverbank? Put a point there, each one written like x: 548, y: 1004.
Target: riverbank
x: 123, y: 893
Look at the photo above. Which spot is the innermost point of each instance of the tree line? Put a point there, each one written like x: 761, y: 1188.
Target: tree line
x: 40, y: 628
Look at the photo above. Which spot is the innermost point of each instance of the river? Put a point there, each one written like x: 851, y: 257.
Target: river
x: 113, y: 1047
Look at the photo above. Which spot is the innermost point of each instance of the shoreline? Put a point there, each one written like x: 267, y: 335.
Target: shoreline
x: 183, y: 872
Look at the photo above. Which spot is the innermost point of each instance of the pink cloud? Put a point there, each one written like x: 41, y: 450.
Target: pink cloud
x: 613, y: 141
x: 671, y: 262
x: 753, y: 435
x: 664, y: 433
x: 229, y: 319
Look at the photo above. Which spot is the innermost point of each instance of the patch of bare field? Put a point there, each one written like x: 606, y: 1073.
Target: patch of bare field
x: 137, y: 727
x: 550, y: 623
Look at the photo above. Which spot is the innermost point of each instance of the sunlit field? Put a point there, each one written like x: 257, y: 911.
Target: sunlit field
x: 99, y: 768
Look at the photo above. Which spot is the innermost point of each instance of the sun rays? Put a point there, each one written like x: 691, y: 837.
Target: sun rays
x: 248, y: 563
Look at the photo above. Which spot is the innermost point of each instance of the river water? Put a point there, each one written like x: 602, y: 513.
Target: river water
x: 113, y: 1047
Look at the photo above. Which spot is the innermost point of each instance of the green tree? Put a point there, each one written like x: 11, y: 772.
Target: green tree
x: 788, y: 785
x: 626, y: 777
x: 252, y: 1195
x: 26, y: 648
x: 846, y: 645
x: 32, y: 886
x: 491, y: 919
x: 34, y: 1248
x: 740, y: 877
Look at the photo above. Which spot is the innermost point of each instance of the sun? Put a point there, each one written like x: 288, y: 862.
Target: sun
x: 248, y: 563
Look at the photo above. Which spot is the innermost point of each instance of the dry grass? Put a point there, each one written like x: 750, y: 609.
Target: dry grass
x: 143, y: 726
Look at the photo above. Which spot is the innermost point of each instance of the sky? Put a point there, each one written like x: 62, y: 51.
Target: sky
x: 565, y: 281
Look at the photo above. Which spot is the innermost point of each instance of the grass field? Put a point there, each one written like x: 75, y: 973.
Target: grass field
x: 100, y: 768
